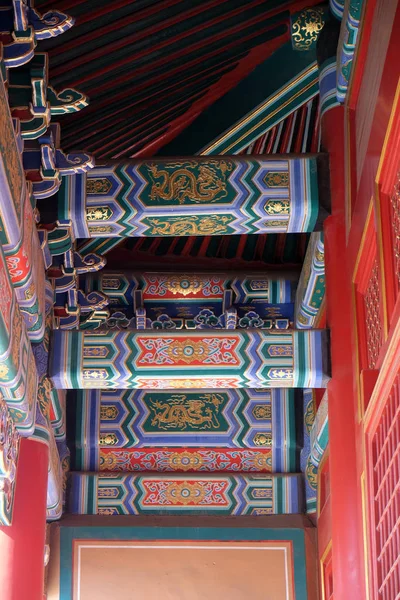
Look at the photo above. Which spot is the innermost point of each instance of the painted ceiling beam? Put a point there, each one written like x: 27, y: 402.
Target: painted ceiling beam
x: 273, y: 90
x: 277, y: 107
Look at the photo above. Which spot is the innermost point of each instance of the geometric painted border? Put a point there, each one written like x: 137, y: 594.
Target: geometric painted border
x: 190, y: 493
x: 310, y: 294
x: 87, y: 451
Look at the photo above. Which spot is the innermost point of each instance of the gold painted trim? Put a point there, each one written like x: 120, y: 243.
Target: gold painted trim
x: 348, y: 100
x: 359, y: 386
x: 364, y: 235
x: 321, y: 465
x: 386, y: 378
x: 313, y: 68
x: 379, y: 244
x: 388, y: 132
x: 321, y: 566
x: 377, y: 193
x: 364, y: 510
x: 354, y: 65
x: 277, y: 110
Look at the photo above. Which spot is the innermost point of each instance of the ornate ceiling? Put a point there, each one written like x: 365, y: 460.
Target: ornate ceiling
x: 150, y: 67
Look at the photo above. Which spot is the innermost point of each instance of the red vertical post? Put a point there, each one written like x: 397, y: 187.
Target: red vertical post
x: 22, y: 544
x: 345, y: 502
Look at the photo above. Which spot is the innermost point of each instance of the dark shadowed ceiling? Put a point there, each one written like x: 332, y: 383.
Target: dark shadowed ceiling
x: 150, y: 67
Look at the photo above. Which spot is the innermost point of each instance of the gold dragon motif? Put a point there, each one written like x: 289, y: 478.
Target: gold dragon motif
x: 181, y: 412
x: 190, y: 181
x: 190, y: 225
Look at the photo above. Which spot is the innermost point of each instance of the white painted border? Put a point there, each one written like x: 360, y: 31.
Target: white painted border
x: 174, y: 546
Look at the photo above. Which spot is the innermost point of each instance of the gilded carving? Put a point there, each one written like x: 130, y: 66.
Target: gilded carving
x: 9, y: 154
x: 262, y: 411
x: 262, y: 511
x: 189, y: 225
x: 372, y: 303
x: 99, y: 186
x: 306, y: 28
x: 94, y: 229
x: 108, y: 413
x: 107, y: 512
x: 30, y: 292
x: 110, y: 283
x: 108, y: 439
x: 312, y: 474
x: 98, y: 213
x: 108, y: 492
x: 263, y: 439
x: 282, y: 224
x: 189, y: 181
x: 184, y: 285
x: 309, y: 416
x: 44, y: 397
x: 9, y: 450
x: 3, y: 371
x: 95, y: 352
x: 281, y: 350
x: 395, y: 202
x: 262, y: 493
x: 94, y: 374
x: 277, y: 207
x: 181, y: 413
x: 259, y: 285
x: 5, y: 298
x: 283, y: 373
x: 277, y: 179
x: 16, y: 338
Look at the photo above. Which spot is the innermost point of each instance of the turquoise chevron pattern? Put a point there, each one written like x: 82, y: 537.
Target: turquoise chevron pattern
x: 27, y: 272
x: 12, y: 178
x: 17, y: 226
x: 316, y: 439
x: 118, y: 420
x: 159, y: 287
x: 18, y: 375
x: 194, y: 300
x: 319, y: 434
x: 310, y: 295
x: 327, y: 85
x: 308, y: 467
x: 9, y: 452
x: 337, y: 8
x: 43, y: 433
x: 193, y: 196
x: 222, y: 494
x: 347, y: 43
x: 182, y: 360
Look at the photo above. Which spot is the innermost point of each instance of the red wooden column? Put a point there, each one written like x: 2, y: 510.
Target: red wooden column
x: 22, y: 544
x: 345, y: 495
